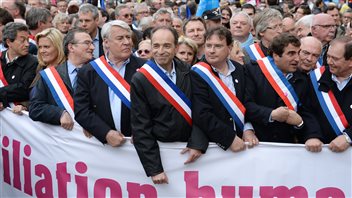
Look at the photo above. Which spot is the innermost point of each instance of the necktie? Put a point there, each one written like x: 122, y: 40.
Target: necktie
x: 74, y: 83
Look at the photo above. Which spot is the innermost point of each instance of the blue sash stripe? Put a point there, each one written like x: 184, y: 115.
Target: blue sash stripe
x: 323, y: 104
x: 220, y: 96
x: 284, y: 80
x: 250, y: 53
x: 111, y: 84
x: 52, y: 89
x: 169, y: 82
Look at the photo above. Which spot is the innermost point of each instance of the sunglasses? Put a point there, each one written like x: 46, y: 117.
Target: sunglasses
x: 128, y: 15
x: 141, y: 51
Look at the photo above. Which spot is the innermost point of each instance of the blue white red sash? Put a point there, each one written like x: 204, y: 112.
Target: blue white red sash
x: 279, y: 82
x: 168, y: 89
x: 113, y: 79
x: 32, y: 39
x: 255, y: 52
x: 227, y: 98
x: 58, y: 89
x: 3, y: 81
x: 319, y: 64
x: 329, y: 104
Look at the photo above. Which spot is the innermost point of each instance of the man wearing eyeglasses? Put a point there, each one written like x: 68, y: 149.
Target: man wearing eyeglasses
x: 309, y: 54
x: 124, y: 13
x: 45, y: 106
x: 323, y: 28
x: 332, y: 97
x: 102, y: 101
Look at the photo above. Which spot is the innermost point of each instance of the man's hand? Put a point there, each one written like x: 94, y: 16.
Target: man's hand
x: 237, y: 145
x: 293, y: 118
x: 250, y: 137
x: 313, y: 145
x: 280, y: 114
x: 87, y: 134
x: 115, y: 138
x: 66, y: 121
x: 17, y: 109
x: 339, y: 144
x: 1, y: 106
x: 160, y: 178
x: 194, y: 154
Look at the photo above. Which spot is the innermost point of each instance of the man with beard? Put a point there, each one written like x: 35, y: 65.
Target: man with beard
x: 276, y: 95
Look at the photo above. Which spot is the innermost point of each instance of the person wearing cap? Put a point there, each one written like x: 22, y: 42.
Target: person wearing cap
x: 212, y: 18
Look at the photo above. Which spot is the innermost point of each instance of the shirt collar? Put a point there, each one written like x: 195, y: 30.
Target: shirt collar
x: 113, y: 65
x: 289, y: 76
x: 70, y: 67
x: 7, y: 58
x: 231, y: 68
x: 334, y: 78
x: 96, y: 36
x: 173, y: 70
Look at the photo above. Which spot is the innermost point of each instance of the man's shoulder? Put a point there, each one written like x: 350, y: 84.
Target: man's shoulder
x: 136, y: 61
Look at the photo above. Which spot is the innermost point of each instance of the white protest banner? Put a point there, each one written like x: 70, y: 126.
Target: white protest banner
x: 40, y: 160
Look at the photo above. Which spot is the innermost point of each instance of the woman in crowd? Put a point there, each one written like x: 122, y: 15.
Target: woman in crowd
x: 187, y: 50
x: 50, y: 53
x: 145, y: 49
x: 61, y: 22
x: 226, y: 15
x: 237, y: 53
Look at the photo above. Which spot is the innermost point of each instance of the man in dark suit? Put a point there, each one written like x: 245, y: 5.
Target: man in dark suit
x: 208, y: 109
x: 88, y: 16
x: 100, y: 106
x: 44, y: 107
x: 154, y: 115
x: 17, y: 66
x: 277, y: 95
x: 334, y: 81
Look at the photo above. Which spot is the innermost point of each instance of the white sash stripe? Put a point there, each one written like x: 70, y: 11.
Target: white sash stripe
x: 168, y: 89
x: 255, y: 52
x: 113, y: 79
x: 59, y: 92
x: 329, y: 104
x: 279, y: 82
x: 232, y: 104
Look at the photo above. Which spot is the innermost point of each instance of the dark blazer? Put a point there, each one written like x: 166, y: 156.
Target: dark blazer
x: 261, y: 99
x: 92, y: 104
x: 101, y: 48
x: 209, y: 113
x: 19, y: 74
x: 42, y: 106
x: 344, y: 99
x: 154, y: 119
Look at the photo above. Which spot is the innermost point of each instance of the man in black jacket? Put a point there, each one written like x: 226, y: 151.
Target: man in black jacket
x: 155, y: 116
x: 100, y: 108
x: 212, y: 110
x: 17, y: 66
x: 44, y: 107
x: 336, y: 82
x: 277, y: 95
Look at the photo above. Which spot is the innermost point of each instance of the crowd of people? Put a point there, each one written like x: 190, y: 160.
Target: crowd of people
x: 242, y: 72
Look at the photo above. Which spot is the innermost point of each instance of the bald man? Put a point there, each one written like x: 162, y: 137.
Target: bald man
x: 323, y: 28
x: 288, y: 25
x: 309, y: 54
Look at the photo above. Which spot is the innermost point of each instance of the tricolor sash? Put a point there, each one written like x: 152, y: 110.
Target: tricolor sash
x: 3, y: 81
x: 227, y: 98
x: 113, y: 79
x: 329, y: 104
x: 254, y: 51
x: 168, y: 89
x: 319, y: 63
x: 279, y: 82
x: 58, y: 89
x: 32, y: 39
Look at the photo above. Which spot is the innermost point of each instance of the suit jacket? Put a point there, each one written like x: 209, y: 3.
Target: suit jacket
x: 101, y: 48
x: 42, y: 106
x: 261, y: 99
x: 19, y: 74
x: 209, y: 113
x: 154, y: 119
x: 92, y: 104
x: 344, y: 99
